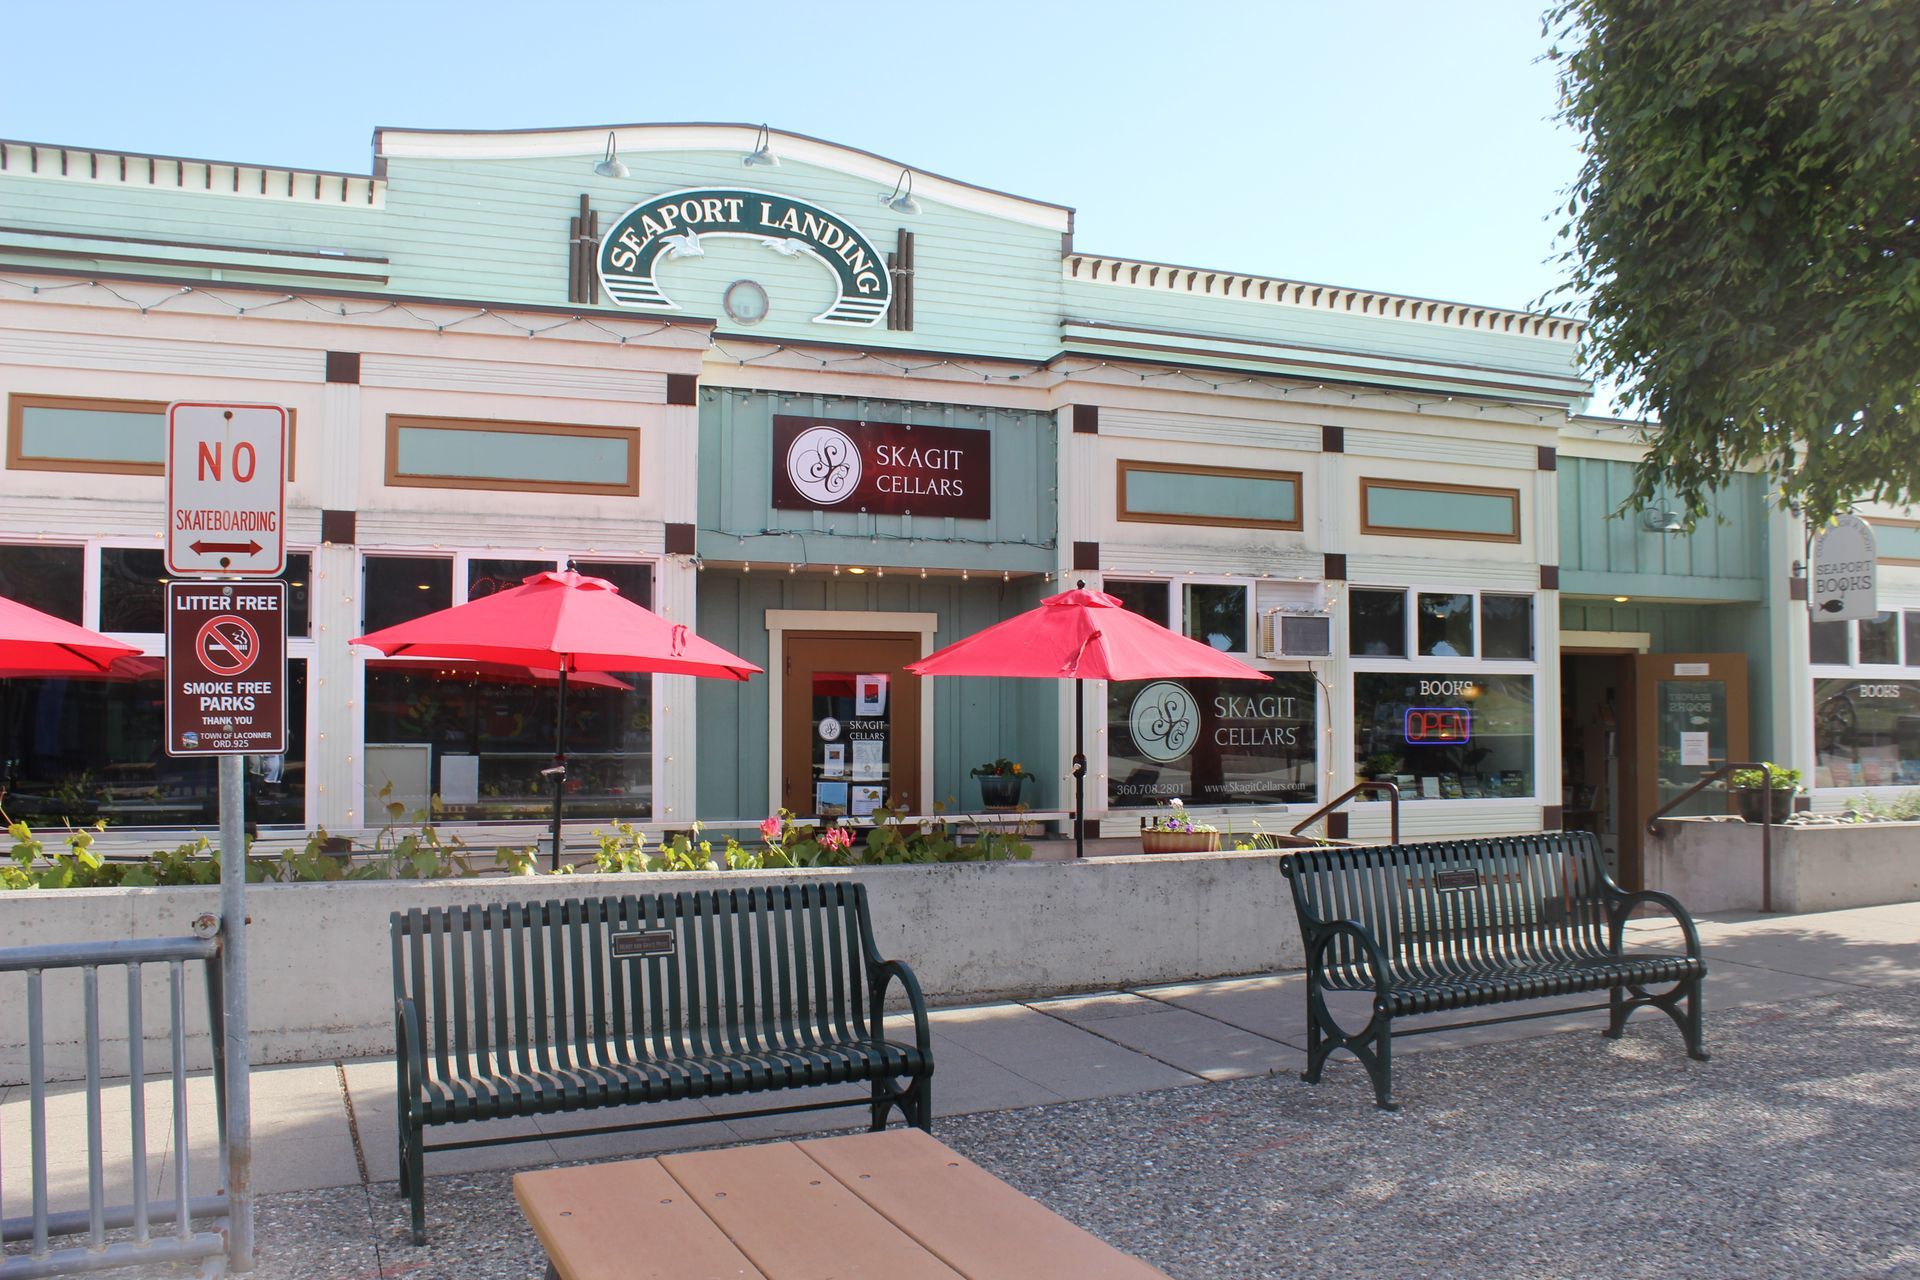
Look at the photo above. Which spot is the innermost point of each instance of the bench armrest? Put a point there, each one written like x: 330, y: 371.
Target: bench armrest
x: 883, y: 972
x: 1620, y: 905
x: 408, y: 1054
x: 1321, y: 935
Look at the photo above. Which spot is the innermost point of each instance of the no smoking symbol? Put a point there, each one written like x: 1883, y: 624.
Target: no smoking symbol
x: 227, y: 645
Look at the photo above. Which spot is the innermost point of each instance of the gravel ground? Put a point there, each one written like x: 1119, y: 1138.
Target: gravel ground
x: 1795, y: 1152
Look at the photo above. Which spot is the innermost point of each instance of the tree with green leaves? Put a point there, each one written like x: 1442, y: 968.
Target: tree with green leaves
x: 1743, y: 236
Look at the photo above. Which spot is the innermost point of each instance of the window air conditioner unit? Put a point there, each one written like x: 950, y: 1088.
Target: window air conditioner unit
x: 1295, y: 635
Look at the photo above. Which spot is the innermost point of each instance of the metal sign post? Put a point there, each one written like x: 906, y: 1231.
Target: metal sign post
x: 226, y: 687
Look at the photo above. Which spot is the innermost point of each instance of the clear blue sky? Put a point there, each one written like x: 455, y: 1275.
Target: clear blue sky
x: 1404, y: 145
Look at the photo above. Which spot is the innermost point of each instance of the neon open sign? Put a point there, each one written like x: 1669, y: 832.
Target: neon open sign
x: 1430, y: 725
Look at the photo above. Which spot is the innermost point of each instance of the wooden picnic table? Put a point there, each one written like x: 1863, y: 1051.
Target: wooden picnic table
x: 894, y: 1205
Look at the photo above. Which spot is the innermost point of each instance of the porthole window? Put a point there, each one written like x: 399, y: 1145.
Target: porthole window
x: 746, y: 302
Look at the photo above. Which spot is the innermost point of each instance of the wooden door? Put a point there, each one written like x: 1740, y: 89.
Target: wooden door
x: 1689, y: 718
x: 849, y: 723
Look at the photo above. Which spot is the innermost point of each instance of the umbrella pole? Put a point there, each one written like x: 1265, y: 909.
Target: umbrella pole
x: 559, y: 769
x: 1079, y: 768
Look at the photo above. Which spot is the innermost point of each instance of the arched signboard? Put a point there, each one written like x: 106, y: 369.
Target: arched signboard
x: 674, y: 224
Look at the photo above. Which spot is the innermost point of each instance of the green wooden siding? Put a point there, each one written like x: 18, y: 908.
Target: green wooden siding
x: 738, y: 522
x: 1722, y: 558
x: 973, y: 719
x: 1698, y: 628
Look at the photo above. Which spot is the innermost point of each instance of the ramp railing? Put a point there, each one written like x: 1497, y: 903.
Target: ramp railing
x: 180, y: 1227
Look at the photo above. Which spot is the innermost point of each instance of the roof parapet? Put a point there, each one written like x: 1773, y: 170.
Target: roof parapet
x: 131, y: 168
x: 1239, y: 286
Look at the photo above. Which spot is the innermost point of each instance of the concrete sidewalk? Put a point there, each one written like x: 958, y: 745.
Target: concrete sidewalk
x: 332, y: 1124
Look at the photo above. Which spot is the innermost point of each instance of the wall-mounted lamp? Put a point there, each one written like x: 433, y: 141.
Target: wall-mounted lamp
x: 1660, y: 520
x: 761, y: 154
x: 902, y: 201
x: 610, y: 166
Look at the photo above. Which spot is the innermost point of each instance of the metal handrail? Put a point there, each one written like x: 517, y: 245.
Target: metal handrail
x: 1393, y: 800
x: 1766, y: 816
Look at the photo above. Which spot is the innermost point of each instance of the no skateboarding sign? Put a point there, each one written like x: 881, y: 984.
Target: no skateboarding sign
x: 226, y: 668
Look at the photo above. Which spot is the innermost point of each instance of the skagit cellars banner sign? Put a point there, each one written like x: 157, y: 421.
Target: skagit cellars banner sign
x: 1211, y: 741
x: 672, y: 226
x: 887, y: 468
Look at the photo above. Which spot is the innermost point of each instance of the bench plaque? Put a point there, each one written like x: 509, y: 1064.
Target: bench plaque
x: 1455, y: 881
x: 641, y: 944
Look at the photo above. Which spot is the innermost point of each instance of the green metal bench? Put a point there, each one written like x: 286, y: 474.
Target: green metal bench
x: 1427, y: 928
x: 534, y: 1008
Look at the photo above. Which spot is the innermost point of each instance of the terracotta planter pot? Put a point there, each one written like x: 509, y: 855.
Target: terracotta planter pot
x: 1179, y: 841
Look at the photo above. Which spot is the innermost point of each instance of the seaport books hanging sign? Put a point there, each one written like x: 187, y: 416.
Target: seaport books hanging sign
x: 886, y: 468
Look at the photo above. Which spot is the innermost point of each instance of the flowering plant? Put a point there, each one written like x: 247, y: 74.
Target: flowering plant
x: 838, y: 839
x: 1000, y: 768
x: 1175, y: 818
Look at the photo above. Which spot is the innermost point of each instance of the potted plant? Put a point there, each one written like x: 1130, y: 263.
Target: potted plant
x: 1756, y: 803
x: 1000, y: 783
x: 1172, y: 830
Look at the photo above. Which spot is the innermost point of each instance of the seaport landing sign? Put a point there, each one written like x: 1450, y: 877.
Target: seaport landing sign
x: 887, y: 468
x: 226, y: 668
x: 674, y: 224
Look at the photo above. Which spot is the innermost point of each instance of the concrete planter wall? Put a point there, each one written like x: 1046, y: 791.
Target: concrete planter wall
x: 1713, y: 864
x: 321, y: 985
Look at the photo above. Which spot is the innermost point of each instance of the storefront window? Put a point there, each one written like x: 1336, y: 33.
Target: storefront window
x: 133, y: 589
x: 50, y: 579
x: 634, y: 580
x: 1217, y: 615
x: 1506, y: 627
x: 1445, y: 736
x: 1880, y: 639
x: 1148, y: 599
x: 79, y: 751
x: 486, y: 577
x: 1212, y: 742
x: 1866, y: 733
x: 477, y: 736
x: 1446, y: 625
x: 1377, y: 624
x: 400, y: 588
x: 1913, y: 637
x: 1827, y: 643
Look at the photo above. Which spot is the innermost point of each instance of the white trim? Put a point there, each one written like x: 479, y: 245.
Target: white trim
x: 1635, y: 641
x: 641, y: 139
x: 781, y: 621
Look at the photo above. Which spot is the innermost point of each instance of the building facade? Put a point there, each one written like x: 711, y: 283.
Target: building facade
x: 835, y: 412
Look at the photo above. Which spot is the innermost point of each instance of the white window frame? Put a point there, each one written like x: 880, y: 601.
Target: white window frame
x: 461, y: 558
x: 153, y: 644
x: 1359, y: 665
x: 1901, y: 604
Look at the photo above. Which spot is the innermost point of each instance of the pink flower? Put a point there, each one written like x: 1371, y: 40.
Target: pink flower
x: 836, y: 838
x: 770, y: 829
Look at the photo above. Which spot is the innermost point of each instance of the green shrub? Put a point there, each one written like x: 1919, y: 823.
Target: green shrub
x: 1784, y: 779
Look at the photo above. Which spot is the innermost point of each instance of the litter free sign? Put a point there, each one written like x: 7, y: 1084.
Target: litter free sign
x: 226, y: 668
x: 226, y: 489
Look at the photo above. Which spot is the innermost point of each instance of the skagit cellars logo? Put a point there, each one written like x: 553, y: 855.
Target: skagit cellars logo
x: 823, y: 465
x: 882, y: 468
x: 1164, y: 721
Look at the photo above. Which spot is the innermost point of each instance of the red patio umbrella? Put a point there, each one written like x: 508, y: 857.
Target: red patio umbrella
x: 33, y: 643
x: 1081, y: 635
x: 565, y: 622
